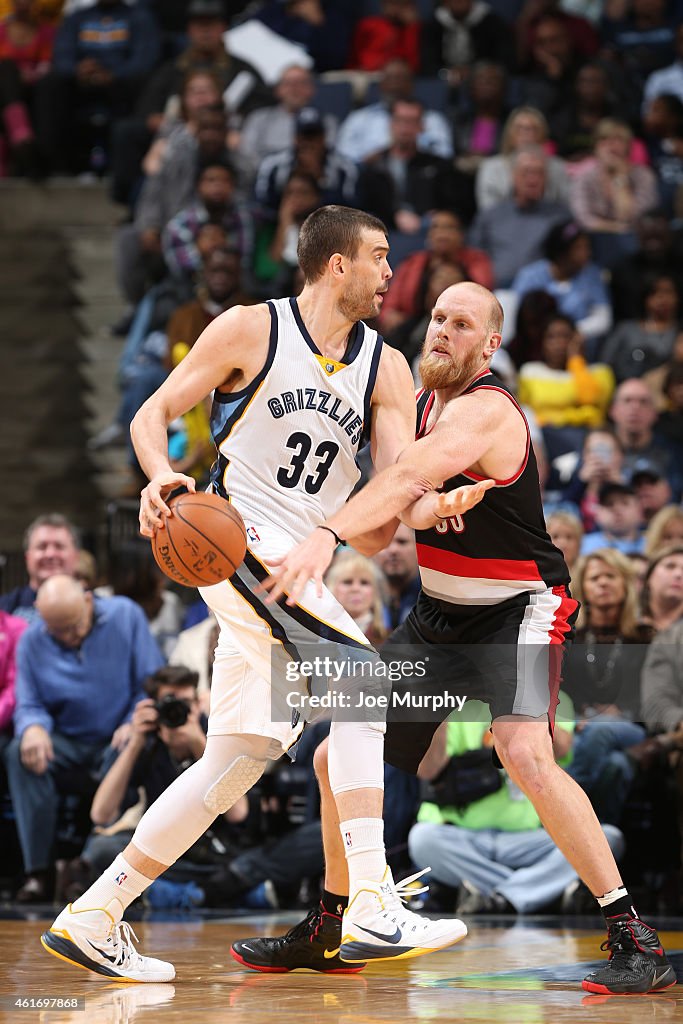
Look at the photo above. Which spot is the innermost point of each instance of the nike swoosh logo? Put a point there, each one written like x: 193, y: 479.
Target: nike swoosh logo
x: 396, y: 937
x: 329, y: 953
x: 96, y: 949
x: 245, y: 946
x: 658, y: 976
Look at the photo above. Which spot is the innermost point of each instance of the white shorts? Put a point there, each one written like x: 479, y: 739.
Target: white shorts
x: 250, y: 688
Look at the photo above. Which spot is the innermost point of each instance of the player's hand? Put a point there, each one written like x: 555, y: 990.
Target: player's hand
x: 462, y: 499
x: 153, y: 508
x: 305, y: 563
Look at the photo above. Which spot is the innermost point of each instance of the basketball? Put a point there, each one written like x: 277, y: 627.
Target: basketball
x: 202, y: 542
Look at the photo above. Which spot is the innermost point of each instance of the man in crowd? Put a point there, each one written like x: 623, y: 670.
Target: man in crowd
x: 367, y: 130
x: 51, y: 545
x: 271, y: 129
x: 335, y: 175
x: 634, y: 415
x: 512, y: 231
x: 101, y: 57
x: 215, y: 203
x: 402, y: 183
x: 620, y: 518
x: 80, y: 670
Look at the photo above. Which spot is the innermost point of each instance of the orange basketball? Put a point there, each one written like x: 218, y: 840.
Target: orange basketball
x: 202, y: 542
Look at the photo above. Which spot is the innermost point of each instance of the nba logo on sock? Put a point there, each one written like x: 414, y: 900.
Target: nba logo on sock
x: 120, y: 879
x: 347, y: 837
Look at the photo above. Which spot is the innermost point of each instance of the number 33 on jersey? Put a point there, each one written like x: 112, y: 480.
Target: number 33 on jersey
x: 278, y: 438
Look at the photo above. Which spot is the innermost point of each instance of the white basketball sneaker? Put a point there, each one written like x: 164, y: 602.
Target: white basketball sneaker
x: 92, y: 939
x: 378, y: 926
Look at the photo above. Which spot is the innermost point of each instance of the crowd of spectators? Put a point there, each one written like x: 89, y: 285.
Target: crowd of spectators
x: 518, y: 144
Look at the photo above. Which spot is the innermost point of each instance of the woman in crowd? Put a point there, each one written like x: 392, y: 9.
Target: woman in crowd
x: 610, y: 194
x: 665, y: 528
x: 561, y: 389
x: 602, y: 676
x: 358, y: 585
x: 575, y: 282
x: 663, y: 588
x: 525, y: 126
x: 566, y: 533
x: 636, y: 347
x: 201, y: 90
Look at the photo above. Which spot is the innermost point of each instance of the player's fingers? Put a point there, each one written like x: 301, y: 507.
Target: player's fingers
x: 274, y: 587
x: 298, y: 587
x: 268, y: 583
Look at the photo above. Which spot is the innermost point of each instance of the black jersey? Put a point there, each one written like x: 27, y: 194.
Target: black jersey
x: 498, y: 549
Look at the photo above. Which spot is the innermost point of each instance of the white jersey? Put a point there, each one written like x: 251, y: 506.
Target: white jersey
x: 287, y: 443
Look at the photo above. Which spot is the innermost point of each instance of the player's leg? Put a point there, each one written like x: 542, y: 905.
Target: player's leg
x: 637, y: 962
x: 90, y: 933
x: 241, y: 738
x: 405, y: 743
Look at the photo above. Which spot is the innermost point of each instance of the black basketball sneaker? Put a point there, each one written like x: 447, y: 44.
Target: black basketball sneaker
x: 312, y: 944
x: 637, y: 963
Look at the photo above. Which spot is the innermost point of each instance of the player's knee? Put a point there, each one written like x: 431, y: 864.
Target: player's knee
x: 320, y: 763
x: 526, y: 763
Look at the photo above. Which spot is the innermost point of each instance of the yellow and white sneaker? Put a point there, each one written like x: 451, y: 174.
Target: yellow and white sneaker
x: 378, y: 926
x: 93, y: 940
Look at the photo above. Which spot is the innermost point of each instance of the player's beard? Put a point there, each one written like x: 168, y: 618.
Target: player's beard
x: 357, y: 302
x: 437, y: 372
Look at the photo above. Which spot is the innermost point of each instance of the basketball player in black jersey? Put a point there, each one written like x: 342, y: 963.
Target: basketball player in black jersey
x: 492, y: 578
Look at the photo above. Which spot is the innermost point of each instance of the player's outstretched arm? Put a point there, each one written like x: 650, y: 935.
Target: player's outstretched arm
x: 226, y: 345
x: 467, y: 429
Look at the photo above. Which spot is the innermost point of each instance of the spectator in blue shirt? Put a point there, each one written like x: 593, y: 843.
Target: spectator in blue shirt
x: 619, y: 515
x: 102, y: 56
x: 80, y: 672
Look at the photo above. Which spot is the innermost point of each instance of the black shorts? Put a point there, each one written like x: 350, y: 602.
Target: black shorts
x: 508, y: 655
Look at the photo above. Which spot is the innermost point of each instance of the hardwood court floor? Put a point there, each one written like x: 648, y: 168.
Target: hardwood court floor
x: 523, y: 973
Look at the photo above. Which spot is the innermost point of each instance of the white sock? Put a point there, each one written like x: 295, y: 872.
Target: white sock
x: 114, y: 890
x: 363, y: 840
x: 612, y: 896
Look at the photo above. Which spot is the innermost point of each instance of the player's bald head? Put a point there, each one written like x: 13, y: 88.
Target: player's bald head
x: 472, y: 294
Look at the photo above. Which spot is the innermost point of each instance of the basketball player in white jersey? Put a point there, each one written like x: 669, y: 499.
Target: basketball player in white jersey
x: 297, y: 384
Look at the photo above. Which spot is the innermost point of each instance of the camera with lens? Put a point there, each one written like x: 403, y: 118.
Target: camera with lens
x: 172, y: 711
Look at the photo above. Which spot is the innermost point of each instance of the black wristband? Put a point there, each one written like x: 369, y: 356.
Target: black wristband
x: 330, y: 530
